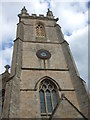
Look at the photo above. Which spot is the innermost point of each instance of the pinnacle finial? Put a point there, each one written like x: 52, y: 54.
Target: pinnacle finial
x: 24, y: 12
x: 24, y: 7
x: 48, y: 9
x: 50, y: 14
x: 7, y: 67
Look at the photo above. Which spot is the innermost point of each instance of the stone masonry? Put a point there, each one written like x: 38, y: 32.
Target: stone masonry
x: 22, y: 98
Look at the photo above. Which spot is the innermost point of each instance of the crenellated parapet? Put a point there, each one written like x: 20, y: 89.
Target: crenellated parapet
x: 25, y: 14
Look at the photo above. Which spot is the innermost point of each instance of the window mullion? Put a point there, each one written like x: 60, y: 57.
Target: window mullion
x: 39, y: 31
x: 45, y: 102
x: 52, y: 100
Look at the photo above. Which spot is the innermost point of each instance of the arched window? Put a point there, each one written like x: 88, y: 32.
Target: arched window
x: 40, y: 30
x: 48, y: 97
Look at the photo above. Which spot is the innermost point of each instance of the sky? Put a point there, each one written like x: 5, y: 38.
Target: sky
x: 73, y: 19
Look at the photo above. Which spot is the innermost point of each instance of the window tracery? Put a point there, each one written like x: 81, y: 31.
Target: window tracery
x: 40, y: 30
x: 48, y: 97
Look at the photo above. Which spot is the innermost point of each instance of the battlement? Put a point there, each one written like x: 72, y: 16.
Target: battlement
x: 25, y: 14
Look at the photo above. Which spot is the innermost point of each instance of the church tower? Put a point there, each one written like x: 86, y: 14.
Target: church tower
x: 44, y: 81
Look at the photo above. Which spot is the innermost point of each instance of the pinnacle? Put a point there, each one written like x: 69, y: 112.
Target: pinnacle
x: 7, y: 67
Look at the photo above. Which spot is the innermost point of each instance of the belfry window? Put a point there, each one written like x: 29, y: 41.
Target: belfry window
x: 48, y: 97
x: 40, y: 30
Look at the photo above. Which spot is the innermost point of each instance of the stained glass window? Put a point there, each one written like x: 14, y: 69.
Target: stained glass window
x: 48, y: 96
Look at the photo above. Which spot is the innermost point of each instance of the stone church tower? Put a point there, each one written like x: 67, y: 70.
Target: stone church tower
x: 44, y: 81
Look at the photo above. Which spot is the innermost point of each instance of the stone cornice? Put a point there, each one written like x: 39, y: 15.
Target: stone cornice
x: 62, y: 69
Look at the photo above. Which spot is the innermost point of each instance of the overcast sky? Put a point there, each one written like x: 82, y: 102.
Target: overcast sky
x: 73, y: 19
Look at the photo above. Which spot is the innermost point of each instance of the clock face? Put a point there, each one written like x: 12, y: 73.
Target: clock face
x: 43, y: 54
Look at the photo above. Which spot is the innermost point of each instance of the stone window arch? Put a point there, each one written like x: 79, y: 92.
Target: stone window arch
x: 48, y: 96
x: 40, y: 30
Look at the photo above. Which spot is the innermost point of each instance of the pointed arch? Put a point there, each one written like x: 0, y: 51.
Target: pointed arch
x: 48, y: 78
x: 40, y: 29
x: 48, y: 91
